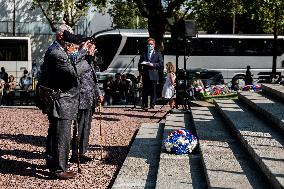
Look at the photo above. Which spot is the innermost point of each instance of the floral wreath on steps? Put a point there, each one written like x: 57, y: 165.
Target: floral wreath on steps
x: 180, y: 142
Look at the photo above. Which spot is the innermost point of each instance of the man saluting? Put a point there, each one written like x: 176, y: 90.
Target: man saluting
x: 62, y: 77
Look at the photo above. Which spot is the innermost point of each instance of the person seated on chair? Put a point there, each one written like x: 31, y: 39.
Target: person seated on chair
x: 138, y: 90
x: 281, y: 82
x: 274, y: 79
x: 2, y: 84
x: 108, y: 89
x: 235, y: 85
x: 10, y: 90
x: 126, y: 89
x: 197, y: 86
x: 26, y: 86
x: 26, y: 81
x: 118, y: 93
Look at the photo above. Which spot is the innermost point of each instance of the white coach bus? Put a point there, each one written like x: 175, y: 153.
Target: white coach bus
x: 15, y: 55
x: 119, y: 51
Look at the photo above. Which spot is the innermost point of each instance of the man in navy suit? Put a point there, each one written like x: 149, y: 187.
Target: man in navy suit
x: 149, y: 65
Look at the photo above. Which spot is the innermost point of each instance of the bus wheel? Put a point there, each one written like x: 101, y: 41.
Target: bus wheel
x: 239, y: 79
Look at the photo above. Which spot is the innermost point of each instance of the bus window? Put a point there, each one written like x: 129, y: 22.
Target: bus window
x: 228, y: 47
x: 280, y: 47
x: 204, y: 47
x: 256, y: 47
x: 172, y: 47
x: 15, y: 55
x: 133, y: 46
x: 107, y: 47
x: 13, y: 50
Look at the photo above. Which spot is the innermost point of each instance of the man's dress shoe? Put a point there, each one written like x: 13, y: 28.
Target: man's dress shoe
x: 65, y: 175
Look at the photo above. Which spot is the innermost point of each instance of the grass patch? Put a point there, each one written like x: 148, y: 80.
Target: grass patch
x: 226, y: 96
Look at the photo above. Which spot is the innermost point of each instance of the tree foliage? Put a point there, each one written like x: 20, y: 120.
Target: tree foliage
x: 161, y: 16
x: 125, y: 14
x: 68, y: 11
x: 270, y: 13
x: 217, y: 16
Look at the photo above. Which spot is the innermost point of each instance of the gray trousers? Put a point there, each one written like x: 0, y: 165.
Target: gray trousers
x: 84, y: 126
x: 58, y: 143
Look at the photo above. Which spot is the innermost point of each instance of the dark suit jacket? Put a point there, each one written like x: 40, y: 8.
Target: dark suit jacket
x: 59, y: 74
x: 148, y: 72
x: 89, y: 90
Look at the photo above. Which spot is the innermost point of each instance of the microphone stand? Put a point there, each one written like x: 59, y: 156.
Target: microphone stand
x: 132, y: 61
x: 135, y: 88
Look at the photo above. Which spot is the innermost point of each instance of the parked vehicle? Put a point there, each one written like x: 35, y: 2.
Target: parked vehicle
x: 228, y: 54
x: 15, y: 55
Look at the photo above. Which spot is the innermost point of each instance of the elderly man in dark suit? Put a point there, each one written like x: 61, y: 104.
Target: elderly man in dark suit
x: 149, y: 65
x: 90, y: 94
x: 60, y: 75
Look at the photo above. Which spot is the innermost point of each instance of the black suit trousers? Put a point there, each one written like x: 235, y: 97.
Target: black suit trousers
x: 84, y: 125
x: 58, y: 143
x: 149, y: 88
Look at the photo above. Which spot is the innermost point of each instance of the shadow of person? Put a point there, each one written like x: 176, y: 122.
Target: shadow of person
x: 21, y: 154
x: 25, y: 139
x: 21, y: 162
x: 113, y: 155
x: 22, y: 168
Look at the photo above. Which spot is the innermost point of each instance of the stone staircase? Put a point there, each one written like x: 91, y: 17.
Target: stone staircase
x: 241, y: 145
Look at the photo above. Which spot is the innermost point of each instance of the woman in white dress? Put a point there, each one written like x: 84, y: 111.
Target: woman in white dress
x: 169, y: 86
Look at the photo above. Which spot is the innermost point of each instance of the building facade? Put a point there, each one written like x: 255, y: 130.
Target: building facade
x: 18, y: 19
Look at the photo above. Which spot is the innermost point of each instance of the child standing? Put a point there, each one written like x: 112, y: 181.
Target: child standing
x: 169, y: 86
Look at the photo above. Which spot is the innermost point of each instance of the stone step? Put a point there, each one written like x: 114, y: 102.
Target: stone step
x: 264, y: 143
x: 179, y: 171
x: 140, y: 167
x: 268, y: 108
x: 225, y: 162
x: 275, y: 90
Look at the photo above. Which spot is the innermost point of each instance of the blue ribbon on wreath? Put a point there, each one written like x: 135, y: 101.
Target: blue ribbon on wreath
x: 180, y: 142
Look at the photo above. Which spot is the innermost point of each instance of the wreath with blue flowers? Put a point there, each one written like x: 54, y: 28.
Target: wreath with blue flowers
x: 180, y: 142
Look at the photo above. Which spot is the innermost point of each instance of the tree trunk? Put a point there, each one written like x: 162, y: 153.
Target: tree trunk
x: 156, y: 29
x: 274, y: 59
x: 234, y: 23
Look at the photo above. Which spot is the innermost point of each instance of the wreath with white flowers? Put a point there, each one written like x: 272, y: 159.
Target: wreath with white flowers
x: 180, y: 142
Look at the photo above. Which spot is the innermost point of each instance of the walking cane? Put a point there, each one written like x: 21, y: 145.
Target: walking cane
x: 77, y: 145
x: 101, y: 132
